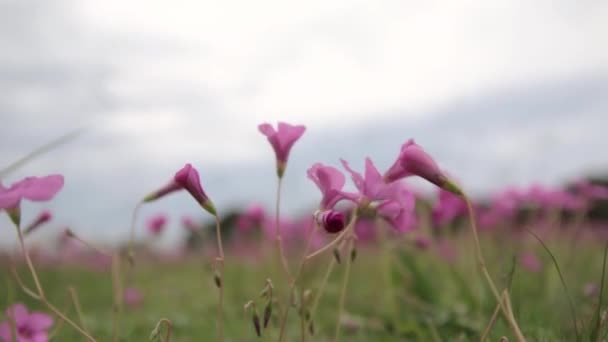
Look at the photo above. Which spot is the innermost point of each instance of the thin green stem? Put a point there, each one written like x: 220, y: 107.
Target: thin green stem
x: 220, y: 270
x: 76, y: 303
x: 482, y: 264
x: 595, y: 332
x: 278, y: 233
x: 131, y: 254
x: 349, y: 246
x: 561, y: 278
x: 292, y: 284
x: 29, y: 263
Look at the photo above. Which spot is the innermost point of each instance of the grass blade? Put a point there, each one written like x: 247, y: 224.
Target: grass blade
x: 561, y: 278
x: 596, y: 327
x: 40, y: 151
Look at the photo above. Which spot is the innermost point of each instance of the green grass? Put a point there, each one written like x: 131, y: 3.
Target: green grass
x: 420, y: 298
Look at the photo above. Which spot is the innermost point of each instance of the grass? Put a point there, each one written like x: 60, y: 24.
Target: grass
x: 424, y: 298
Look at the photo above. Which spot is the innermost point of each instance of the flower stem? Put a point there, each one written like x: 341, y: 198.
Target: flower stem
x: 292, y: 285
x: 40, y: 296
x: 278, y: 235
x: 76, y: 303
x: 29, y: 263
x: 131, y: 253
x: 482, y: 264
x: 117, y: 293
x: 349, y: 247
x: 220, y: 270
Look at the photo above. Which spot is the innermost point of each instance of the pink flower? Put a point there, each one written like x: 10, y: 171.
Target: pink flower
x: 187, y: 178
x: 188, y: 223
x: 447, y: 208
x: 530, y: 262
x: 590, y: 190
x: 36, y: 189
x: 371, y: 186
x: 29, y: 326
x: 44, y: 217
x: 253, y: 217
x: 330, y: 181
x: 156, y: 224
x: 422, y: 243
x: 282, y: 140
x: 133, y: 297
x: 414, y: 161
x: 398, y: 208
x: 331, y: 220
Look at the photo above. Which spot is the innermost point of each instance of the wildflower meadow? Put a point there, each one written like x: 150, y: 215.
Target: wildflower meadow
x: 384, y: 262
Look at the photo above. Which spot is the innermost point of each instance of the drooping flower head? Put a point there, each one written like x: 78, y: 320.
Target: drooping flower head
x: 36, y: 189
x: 331, y: 221
x: 187, y: 179
x: 157, y: 223
x: 414, y: 161
x: 29, y: 326
x: 44, y: 217
x: 330, y: 181
x: 282, y: 140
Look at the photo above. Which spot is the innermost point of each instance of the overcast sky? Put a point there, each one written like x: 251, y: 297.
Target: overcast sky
x: 501, y: 92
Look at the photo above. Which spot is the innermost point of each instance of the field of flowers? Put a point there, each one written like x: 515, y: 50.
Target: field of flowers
x: 383, y: 263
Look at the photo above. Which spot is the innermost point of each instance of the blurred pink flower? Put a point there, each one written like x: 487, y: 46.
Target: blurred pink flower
x: 36, y: 189
x: 253, y: 217
x: 447, y: 207
x: 282, y: 140
x: 591, y: 290
x: 530, y: 262
x: 330, y: 181
x: 157, y: 223
x: 29, y: 326
x: 189, y: 224
x: 365, y: 229
x: 398, y: 208
x: 133, y: 297
x: 422, y: 243
x: 331, y: 221
x: 44, y: 217
x: 590, y: 190
x: 414, y: 161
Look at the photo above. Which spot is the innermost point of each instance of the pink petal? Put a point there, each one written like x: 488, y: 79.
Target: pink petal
x: 39, y: 321
x: 19, y: 313
x: 5, y: 331
x: 41, y: 336
x: 40, y: 189
x: 9, y: 199
x: 357, y: 178
x: 266, y: 129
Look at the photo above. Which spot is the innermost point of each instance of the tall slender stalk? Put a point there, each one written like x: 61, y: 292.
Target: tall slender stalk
x: 220, y: 270
x: 482, y: 264
x: 292, y: 284
x: 349, y: 261
x: 278, y: 233
x: 40, y: 296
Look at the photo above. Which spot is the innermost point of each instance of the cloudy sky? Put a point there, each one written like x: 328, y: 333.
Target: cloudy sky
x: 501, y: 92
